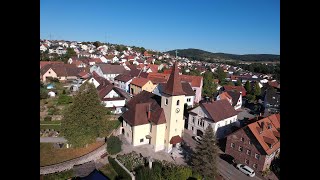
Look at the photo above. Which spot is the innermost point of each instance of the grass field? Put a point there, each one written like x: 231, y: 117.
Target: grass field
x: 49, y: 155
x: 109, y: 171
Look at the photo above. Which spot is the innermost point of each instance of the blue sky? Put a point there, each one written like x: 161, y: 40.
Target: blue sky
x: 229, y: 26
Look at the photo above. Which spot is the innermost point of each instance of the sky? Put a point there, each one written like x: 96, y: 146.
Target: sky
x: 228, y: 26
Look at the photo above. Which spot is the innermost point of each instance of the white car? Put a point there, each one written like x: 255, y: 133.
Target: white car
x: 198, y: 139
x: 246, y: 169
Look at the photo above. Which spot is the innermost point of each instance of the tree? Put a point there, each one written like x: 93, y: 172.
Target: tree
x: 113, y: 145
x: 97, y: 44
x: 238, y: 83
x: 205, y: 156
x: 256, y: 89
x: 247, y: 86
x: 82, y: 122
x: 221, y: 74
x: 208, y: 86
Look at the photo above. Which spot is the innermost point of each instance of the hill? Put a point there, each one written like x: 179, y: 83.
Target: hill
x: 197, y: 54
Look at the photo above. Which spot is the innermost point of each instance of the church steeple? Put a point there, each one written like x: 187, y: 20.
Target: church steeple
x: 174, y: 87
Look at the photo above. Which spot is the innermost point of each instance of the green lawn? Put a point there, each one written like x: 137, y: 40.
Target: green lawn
x: 107, y: 170
x: 109, y: 126
x: 56, y: 125
x: 49, y: 155
x: 59, y: 176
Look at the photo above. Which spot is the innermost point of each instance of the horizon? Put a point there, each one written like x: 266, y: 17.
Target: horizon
x: 231, y: 27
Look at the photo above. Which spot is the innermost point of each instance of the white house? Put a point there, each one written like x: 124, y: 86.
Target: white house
x: 43, y: 47
x: 84, y: 47
x: 123, y: 81
x: 113, y: 98
x: 233, y: 97
x: 218, y: 114
x: 108, y: 71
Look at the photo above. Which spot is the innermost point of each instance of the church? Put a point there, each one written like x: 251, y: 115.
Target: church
x: 156, y: 120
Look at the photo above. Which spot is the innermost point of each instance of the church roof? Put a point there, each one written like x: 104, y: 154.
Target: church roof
x: 174, y: 87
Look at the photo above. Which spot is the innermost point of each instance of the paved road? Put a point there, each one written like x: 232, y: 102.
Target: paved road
x: 53, y: 140
x: 228, y: 171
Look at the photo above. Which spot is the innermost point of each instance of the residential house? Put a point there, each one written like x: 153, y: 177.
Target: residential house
x: 113, y: 98
x: 218, y: 114
x: 123, y: 81
x: 151, y: 68
x: 271, y: 101
x: 240, y: 89
x: 43, y: 63
x: 62, y: 72
x: 256, y: 144
x: 98, y: 81
x: 156, y: 120
x: 94, y: 61
x: 234, y: 98
x: 108, y: 71
x: 77, y: 62
x: 140, y: 84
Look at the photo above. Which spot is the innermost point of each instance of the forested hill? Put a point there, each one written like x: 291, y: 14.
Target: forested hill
x: 197, y: 54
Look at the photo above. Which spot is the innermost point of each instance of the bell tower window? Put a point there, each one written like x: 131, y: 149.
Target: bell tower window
x: 166, y: 102
x: 178, y: 102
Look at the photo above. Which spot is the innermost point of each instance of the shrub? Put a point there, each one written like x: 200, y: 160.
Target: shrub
x: 251, y: 97
x: 64, y: 99
x: 122, y: 174
x: 48, y: 118
x: 113, y: 145
x: 43, y: 93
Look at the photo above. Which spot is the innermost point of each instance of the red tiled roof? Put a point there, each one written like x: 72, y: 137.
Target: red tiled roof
x: 274, y: 84
x: 175, y: 139
x: 112, y: 69
x: 153, y: 67
x: 219, y: 110
x: 96, y: 60
x: 43, y: 63
x: 123, y: 78
x: 236, y: 88
x: 102, y: 81
x: 139, y: 81
x: 194, y: 80
x: 174, y: 86
x: 264, y: 135
x: 275, y: 119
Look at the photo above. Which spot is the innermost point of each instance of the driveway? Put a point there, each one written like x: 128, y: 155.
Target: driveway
x: 227, y: 170
x: 244, y: 113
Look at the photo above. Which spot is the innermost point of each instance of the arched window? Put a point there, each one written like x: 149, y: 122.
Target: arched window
x: 178, y: 102
x: 166, y: 102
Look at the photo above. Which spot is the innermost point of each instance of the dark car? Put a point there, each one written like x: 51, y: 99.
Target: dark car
x: 228, y: 158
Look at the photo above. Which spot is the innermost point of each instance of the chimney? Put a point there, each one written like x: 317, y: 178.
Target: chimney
x: 149, y: 112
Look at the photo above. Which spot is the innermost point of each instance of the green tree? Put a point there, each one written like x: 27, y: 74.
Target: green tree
x: 97, y: 44
x: 256, y: 89
x: 238, y: 83
x: 247, y: 86
x: 113, y: 145
x: 83, y: 119
x: 208, y: 86
x: 205, y: 156
x: 221, y: 74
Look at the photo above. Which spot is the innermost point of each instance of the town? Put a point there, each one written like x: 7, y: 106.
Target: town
x: 126, y: 112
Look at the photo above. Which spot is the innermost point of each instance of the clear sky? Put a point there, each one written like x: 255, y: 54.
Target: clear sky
x: 229, y: 26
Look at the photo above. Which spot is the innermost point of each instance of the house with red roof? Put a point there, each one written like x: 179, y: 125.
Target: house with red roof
x: 123, y: 81
x: 256, y: 144
x: 220, y: 115
x: 240, y: 89
x: 140, y: 84
x: 234, y: 98
x: 62, y: 72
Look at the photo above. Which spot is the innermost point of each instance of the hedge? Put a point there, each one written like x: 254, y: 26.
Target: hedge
x: 122, y: 174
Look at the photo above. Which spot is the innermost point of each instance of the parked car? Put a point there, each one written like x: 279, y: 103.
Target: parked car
x: 198, y: 139
x: 246, y: 170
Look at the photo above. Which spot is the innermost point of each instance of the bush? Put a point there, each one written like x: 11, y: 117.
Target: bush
x: 43, y: 93
x: 48, y: 118
x: 59, y: 176
x: 64, y: 99
x: 113, y: 145
x: 251, y: 97
x: 122, y: 174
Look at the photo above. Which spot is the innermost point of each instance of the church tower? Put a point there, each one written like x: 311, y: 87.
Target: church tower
x: 172, y: 102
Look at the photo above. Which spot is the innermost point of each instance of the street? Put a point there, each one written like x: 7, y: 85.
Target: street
x: 227, y: 170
